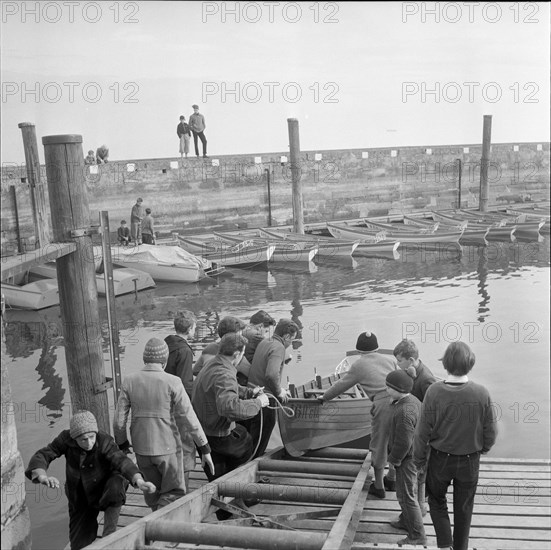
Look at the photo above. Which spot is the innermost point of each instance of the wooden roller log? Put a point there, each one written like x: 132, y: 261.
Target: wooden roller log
x: 288, y: 493
x: 233, y: 536
x: 334, y: 452
x: 298, y: 466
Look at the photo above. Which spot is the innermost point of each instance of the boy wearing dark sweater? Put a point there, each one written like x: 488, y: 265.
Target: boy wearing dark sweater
x: 457, y: 424
x: 405, y: 411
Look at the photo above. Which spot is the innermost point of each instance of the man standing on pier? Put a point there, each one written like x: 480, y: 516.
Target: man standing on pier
x: 266, y: 368
x: 136, y: 216
x: 370, y: 371
x: 197, y: 125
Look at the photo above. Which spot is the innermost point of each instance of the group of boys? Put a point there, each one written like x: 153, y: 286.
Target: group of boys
x: 142, y: 226
x: 170, y: 416
x: 429, y: 432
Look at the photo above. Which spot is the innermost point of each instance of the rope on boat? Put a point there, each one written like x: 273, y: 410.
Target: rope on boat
x: 287, y: 411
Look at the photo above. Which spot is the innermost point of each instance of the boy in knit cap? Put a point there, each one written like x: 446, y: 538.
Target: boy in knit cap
x: 370, y: 372
x: 160, y: 409
x: 97, y: 474
x: 407, y: 356
x: 405, y: 410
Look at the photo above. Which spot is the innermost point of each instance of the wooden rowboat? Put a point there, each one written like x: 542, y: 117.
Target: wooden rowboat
x: 284, y: 251
x: 327, y: 246
x: 32, y: 295
x: 368, y: 244
x: 219, y: 252
x: 314, y: 426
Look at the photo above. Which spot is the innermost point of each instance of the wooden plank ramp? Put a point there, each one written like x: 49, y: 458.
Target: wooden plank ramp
x: 320, y: 501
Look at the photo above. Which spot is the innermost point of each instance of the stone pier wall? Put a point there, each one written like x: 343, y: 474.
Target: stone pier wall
x: 197, y: 195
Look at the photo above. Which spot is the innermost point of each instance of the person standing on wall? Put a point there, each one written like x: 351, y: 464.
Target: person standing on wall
x: 184, y: 135
x: 136, y: 217
x: 197, y: 125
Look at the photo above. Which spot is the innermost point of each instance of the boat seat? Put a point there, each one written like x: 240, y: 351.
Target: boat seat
x: 319, y: 392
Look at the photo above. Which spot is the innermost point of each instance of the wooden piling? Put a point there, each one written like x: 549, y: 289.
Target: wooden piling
x: 38, y: 197
x: 485, y: 162
x: 294, y: 146
x: 76, y: 276
x: 13, y: 196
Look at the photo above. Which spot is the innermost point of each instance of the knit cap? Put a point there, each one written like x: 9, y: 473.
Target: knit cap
x: 156, y: 351
x: 82, y: 422
x: 262, y: 317
x: 367, y: 341
x: 400, y: 381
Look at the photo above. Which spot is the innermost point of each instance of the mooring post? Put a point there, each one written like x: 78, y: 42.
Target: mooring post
x: 38, y: 197
x: 76, y: 276
x: 13, y: 195
x: 294, y: 146
x: 484, y: 162
x: 459, y: 170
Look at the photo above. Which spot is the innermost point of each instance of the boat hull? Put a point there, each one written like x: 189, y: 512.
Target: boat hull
x: 169, y: 270
x: 314, y: 426
x: 284, y: 251
x: 35, y: 296
x: 125, y: 280
x: 224, y: 255
x: 326, y: 247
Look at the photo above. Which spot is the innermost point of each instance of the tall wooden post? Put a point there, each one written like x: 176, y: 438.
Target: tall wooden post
x: 459, y: 171
x: 294, y: 146
x: 76, y: 276
x: 484, y: 162
x: 38, y: 197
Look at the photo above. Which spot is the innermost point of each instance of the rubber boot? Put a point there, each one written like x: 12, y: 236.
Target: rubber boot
x: 110, y: 519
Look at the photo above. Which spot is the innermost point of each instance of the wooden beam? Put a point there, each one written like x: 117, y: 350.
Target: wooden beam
x: 14, y: 265
x: 76, y: 276
x: 38, y: 197
x: 342, y: 534
x: 296, y: 174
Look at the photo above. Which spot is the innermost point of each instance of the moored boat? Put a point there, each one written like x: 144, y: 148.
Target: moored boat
x: 125, y: 279
x: 314, y: 426
x: 284, y: 251
x: 368, y: 245
x: 35, y: 295
x: 219, y: 252
x: 327, y: 246
x: 163, y: 263
x: 497, y: 230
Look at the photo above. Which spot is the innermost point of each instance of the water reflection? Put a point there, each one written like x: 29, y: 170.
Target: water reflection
x: 483, y: 305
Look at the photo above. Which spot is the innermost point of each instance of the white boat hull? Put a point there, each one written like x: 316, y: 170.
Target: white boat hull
x: 35, y: 296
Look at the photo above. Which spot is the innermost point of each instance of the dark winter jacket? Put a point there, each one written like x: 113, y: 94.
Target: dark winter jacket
x: 96, y: 468
x: 180, y: 361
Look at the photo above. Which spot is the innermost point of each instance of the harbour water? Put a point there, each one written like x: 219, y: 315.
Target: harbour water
x: 495, y: 298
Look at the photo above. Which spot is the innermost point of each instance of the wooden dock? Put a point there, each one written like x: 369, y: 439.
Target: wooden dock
x: 324, y: 495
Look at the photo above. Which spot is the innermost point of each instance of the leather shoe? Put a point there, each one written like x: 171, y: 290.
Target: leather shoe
x: 379, y: 493
x: 398, y: 525
x: 389, y: 484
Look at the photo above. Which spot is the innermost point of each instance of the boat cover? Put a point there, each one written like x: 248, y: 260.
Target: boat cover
x: 146, y: 253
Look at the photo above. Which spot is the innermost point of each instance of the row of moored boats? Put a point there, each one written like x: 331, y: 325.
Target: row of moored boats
x: 192, y: 258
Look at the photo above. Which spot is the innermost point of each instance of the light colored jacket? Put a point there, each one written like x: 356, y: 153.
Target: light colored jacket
x: 160, y: 409
x: 197, y: 122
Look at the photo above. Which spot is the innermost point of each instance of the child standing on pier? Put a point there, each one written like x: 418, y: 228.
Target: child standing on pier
x: 405, y: 410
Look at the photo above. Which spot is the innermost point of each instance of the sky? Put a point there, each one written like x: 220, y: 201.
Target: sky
x: 354, y: 74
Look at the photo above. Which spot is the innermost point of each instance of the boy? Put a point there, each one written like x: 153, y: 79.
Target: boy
x: 455, y: 446
x: 148, y: 231
x: 90, y: 159
x: 95, y: 477
x: 180, y: 364
x: 160, y: 409
x: 405, y: 411
x: 407, y: 356
x: 123, y: 234
x: 184, y: 135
